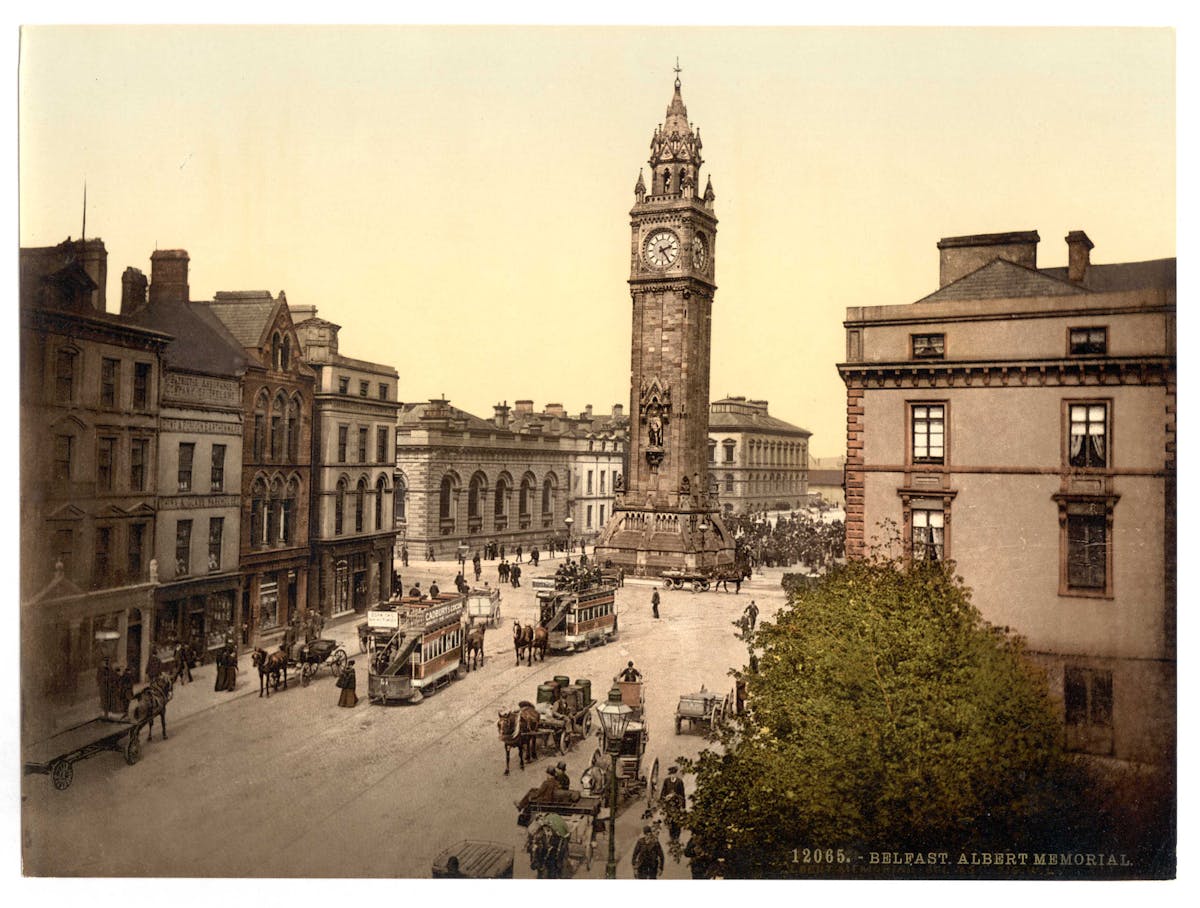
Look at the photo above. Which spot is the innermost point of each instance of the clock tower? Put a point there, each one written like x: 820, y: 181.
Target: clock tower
x: 666, y: 515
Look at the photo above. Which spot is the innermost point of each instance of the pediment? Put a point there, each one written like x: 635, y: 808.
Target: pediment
x: 58, y: 588
x: 66, y: 511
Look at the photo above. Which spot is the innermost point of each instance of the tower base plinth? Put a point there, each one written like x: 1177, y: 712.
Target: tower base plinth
x: 644, y: 542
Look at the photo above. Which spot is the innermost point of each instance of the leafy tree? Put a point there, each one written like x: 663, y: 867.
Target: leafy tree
x: 884, y: 714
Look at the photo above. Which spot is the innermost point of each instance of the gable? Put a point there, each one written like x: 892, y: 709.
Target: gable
x: 1001, y: 279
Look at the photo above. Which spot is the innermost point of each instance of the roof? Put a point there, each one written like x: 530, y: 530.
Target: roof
x: 201, y: 342
x: 751, y: 422
x: 1002, y: 279
x: 1155, y: 274
x: 410, y: 416
x: 244, y: 313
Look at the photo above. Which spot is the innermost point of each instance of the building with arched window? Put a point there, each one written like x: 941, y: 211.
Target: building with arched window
x: 353, y: 527
x: 756, y: 462
x: 512, y: 480
x: 276, y: 468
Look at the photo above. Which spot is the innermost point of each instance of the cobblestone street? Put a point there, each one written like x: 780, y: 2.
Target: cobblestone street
x: 293, y: 786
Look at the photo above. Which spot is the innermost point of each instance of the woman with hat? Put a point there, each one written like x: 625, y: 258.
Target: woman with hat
x: 348, y: 682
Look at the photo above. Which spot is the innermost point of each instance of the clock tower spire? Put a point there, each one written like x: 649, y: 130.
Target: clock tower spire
x: 667, y: 514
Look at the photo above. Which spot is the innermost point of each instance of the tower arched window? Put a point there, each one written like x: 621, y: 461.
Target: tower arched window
x: 666, y: 180
x: 474, y: 496
x: 285, y: 354
x: 400, y: 500
x: 360, y: 501
x: 547, y: 497
x: 500, y: 505
x: 445, y: 498
x: 523, y: 498
x: 276, y: 350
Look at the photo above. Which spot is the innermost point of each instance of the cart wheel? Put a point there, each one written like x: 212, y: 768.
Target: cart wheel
x: 305, y: 674
x: 460, y: 672
x: 704, y: 587
x: 696, y: 587
x: 653, y: 783
x: 591, y: 844
x: 133, y: 747
x: 62, y: 773
x: 587, y: 722
x: 666, y: 583
x: 564, y: 741
x: 339, y: 659
x: 595, y: 756
x: 718, y: 715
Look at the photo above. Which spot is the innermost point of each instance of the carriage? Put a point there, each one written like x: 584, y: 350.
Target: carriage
x: 565, y: 710
x: 629, y: 754
x: 578, y: 611
x: 476, y: 860
x: 696, y: 581
x: 414, y: 646
x: 704, y: 707
x: 483, y: 607
x: 577, y: 828
x: 312, y: 655
x: 56, y: 756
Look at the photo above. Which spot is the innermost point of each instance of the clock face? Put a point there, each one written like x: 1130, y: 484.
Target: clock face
x: 662, y: 248
x: 699, y: 251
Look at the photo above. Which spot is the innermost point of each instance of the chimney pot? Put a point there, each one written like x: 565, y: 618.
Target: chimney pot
x: 1079, y: 257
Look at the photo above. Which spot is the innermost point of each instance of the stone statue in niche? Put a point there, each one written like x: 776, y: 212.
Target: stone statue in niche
x: 619, y: 483
x: 654, y: 427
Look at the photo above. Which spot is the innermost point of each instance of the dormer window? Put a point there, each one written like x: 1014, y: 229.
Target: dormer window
x: 1088, y: 341
x: 928, y: 346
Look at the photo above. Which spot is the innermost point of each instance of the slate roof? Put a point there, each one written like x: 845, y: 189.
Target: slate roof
x: 410, y: 415
x: 245, y: 314
x: 1003, y: 279
x: 751, y: 422
x: 1156, y: 274
x: 202, y: 342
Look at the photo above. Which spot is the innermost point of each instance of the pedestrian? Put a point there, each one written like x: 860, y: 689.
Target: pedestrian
x: 230, y: 667
x: 520, y: 550
x: 502, y: 552
x: 654, y: 601
x: 648, y: 856
x: 737, y: 583
x: 516, y: 575
x: 433, y: 590
x: 181, y: 664
x: 478, y: 569
x: 404, y: 555
x: 620, y: 576
x: 124, y: 691
x: 415, y: 592
x: 290, y: 634
x: 429, y: 554
x: 502, y: 570
x: 348, y: 683
x: 674, y: 801
x: 222, y: 679
x: 534, y: 556
x: 459, y: 583
x: 752, y: 614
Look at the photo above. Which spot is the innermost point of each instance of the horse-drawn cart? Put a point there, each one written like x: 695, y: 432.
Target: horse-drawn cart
x: 628, y: 754
x: 572, y: 834
x: 703, y: 707
x: 56, y: 756
x: 483, y: 607
x: 566, y: 706
x: 312, y: 655
x: 696, y: 581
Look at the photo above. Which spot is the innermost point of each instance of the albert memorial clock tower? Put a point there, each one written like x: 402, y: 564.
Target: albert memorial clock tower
x: 666, y: 515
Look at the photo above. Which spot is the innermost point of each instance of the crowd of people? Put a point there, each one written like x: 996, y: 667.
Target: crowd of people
x: 789, y: 540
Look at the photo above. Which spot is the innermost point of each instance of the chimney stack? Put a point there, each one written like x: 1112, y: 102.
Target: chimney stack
x: 587, y: 411
x: 555, y: 410
x: 1079, y: 249
x: 960, y: 255
x: 169, y: 276
x: 618, y: 411
x: 133, y: 290
x: 524, y: 407
x: 501, y: 417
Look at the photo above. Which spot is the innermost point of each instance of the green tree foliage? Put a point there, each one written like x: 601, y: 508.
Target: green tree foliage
x: 884, y: 714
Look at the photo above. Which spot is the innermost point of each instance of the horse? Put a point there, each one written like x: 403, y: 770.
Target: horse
x: 541, y: 640
x: 152, y: 701
x: 548, y: 852
x: 522, y: 641
x: 739, y: 574
x: 270, y: 667
x: 473, y: 654
x: 516, y: 729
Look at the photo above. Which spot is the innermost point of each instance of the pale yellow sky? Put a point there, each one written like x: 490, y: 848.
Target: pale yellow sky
x: 457, y: 199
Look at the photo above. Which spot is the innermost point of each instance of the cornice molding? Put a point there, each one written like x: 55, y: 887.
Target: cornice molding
x: 1014, y: 373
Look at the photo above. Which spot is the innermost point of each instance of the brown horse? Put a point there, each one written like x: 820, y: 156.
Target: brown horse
x: 270, y: 667
x: 523, y: 641
x: 541, y: 640
x: 517, y: 730
x: 152, y: 701
x: 473, y: 652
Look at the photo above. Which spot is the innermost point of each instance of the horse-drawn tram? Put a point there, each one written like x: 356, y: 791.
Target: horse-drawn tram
x: 578, y: 609
x: 414, y: 646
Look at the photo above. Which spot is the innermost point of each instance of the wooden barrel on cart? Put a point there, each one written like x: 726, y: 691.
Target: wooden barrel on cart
x: 586, y: 684
x: 562, y: 680
x: 546, y: 692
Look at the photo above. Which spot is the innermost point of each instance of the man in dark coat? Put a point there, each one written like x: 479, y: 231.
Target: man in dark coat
x: 561, y: 777
x: 648, y: 858
x: 181, y: 664
x: 520, y: 551
x: 752, y: 614
x: 534, y: 556
x: 404, y: 555
x: 544, y: 792
x: 654, y: 601
x: 515, y: 573
x: 477, y: 565
x: 348, y: 682
x: 434, y: 590
x: 415, y: 592
x: 629, y: 673
x: 674, y: 801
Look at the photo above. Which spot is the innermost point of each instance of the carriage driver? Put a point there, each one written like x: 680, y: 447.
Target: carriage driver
x: 561, y: 777
x: 629, y: 673
x: 544, y: 792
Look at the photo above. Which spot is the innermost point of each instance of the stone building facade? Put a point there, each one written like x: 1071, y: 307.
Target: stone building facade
x: 1020, y: 421
x: 276, y: 476
x: 89, y: 402
x: 466, y: 481
x: 197, y: 543
x: 757, y: 461
x: 665, y: 515
x: 352, y: 526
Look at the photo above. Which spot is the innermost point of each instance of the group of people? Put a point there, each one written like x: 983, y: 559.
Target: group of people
x: 794, y: 539
x: 115, y: 688
x: 509, y: 573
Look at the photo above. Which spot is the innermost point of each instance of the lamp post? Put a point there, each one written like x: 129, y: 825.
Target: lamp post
x: 569, y: 521
x: 703, y: 530
x: 614, y: 718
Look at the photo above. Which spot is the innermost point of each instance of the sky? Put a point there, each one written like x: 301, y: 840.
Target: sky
x: 457, y: 198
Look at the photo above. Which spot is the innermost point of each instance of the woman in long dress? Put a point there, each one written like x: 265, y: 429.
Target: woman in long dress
x: 348, y: 682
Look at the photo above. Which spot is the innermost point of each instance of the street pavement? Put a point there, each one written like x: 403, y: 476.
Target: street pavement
x: 293, y: 786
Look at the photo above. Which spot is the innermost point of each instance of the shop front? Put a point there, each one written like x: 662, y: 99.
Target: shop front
x: 200, y: 614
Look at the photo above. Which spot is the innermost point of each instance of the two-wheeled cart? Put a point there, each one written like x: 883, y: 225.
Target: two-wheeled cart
x: 57, y: 756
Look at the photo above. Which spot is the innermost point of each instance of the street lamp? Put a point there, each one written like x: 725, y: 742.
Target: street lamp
x: 569, y: 521
x: 703, y: 530
x: 614, y: 718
